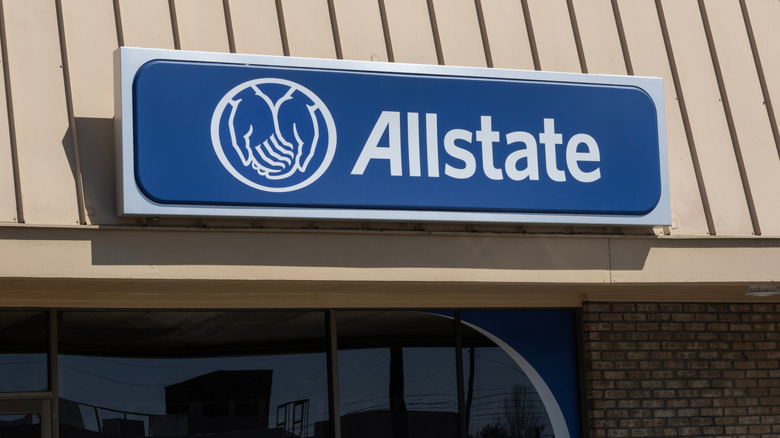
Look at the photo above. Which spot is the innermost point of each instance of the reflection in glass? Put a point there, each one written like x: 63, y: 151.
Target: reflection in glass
x: 258, y: 374
x: 20, y: 426
x: 500, y: 399
x: 23, y: 351
x: 397, y: 375
x: 179, y: 374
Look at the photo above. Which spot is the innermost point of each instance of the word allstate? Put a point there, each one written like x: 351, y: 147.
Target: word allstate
x: 522, y: 163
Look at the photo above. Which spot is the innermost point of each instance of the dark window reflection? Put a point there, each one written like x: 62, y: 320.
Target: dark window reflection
x: 500, y: 399
x: 23, y: 351
x: 20, y: 426
x: 397, y: 374
x: 181, y: 374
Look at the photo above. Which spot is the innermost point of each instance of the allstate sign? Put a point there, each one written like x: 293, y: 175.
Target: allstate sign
x: 206, y: 134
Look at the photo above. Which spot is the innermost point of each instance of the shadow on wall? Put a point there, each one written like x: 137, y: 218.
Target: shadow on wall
x: 301, y: 248
x: 95, y: 137
x: 351, y: 249
x: 96, y: 155
x: 370, y: 249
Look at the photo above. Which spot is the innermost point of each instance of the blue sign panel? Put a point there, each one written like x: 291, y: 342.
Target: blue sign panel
x: 234, y: 135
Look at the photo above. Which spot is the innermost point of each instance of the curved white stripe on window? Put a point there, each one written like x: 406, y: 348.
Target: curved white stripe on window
x: 560, y: 430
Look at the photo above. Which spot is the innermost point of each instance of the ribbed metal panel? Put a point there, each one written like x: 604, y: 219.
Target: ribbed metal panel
x: 718, y: 59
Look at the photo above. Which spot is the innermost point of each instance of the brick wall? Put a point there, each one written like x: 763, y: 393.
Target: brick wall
x: 682, y: 369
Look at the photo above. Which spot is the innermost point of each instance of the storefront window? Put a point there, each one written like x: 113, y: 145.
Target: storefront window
x: 400, y: 374
x: 23, y: 351
x: 520, y: 374
x: 397, y: 374
x: 177, y: 374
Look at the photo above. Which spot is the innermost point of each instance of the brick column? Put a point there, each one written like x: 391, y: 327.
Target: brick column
x: 672, y: 369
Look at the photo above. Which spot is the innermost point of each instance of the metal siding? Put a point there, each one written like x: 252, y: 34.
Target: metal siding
x: 201, y: 25
x: 146, y: 23
x: 91, y: 39
x: 308, y: 26
x: 7, y: 186
x: 749, y: 116
x: 507, y: 34
x: 255, y: 27
x: 708, y: 123
x: 46, y: 156
x: 409, y: 26
x: 459, y: 33
x: 646, y: 48
x: 554, y: 36
x: 360, y: 30
x: 764, y: 16
x: 47, y: 165
x: 599, y: 36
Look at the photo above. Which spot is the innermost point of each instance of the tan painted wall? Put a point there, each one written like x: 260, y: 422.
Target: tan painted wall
x: 131, y: 266
x: 718, y: 58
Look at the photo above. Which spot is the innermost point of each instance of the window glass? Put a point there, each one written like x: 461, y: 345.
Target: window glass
x: 23, y: 351
x: 520, y: 373
x: 20, y: 426
x: 177, y: 374
x: 397, y: 374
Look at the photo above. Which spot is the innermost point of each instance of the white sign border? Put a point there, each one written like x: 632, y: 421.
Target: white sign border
x: 132, y: 202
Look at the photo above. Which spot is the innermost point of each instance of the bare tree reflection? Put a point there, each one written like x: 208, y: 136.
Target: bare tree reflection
x: 522, y: 417
x: 522, y: 413
x: 493, y: 430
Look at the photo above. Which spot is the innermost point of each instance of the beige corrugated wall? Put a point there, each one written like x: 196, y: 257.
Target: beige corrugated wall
x: 59, y: 230
x: 718, y: 59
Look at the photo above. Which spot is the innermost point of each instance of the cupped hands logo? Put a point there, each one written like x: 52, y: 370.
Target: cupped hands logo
x: 273, y: 134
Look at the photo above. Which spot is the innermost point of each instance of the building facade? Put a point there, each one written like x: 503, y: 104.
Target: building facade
x: 142, y: 326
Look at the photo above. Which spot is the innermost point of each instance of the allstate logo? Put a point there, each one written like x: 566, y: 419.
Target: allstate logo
x: 273, y: 134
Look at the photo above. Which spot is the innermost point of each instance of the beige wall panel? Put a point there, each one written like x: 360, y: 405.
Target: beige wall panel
x: 746, y: 100
x: 507, y: 34
x: 45, y: 151
x: 91, y: 38
x: 708, y: 261
x: 459, y: 33
x: 647, y: 50
x: 202, y: 25
x: 146, y: 23
x: 554, y: 35
x: 599, y: 36
x: 7, y: 188
x: 360, y: 30
x: 410, y: 31
x: 517, y: 261
x: 765, y: 22
x: 256, y: 27
x: 309, y: 33
x: 199, y: 254
x: 707, y: 119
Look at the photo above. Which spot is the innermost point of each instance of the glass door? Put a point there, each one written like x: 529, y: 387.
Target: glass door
x: 25, y: 418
